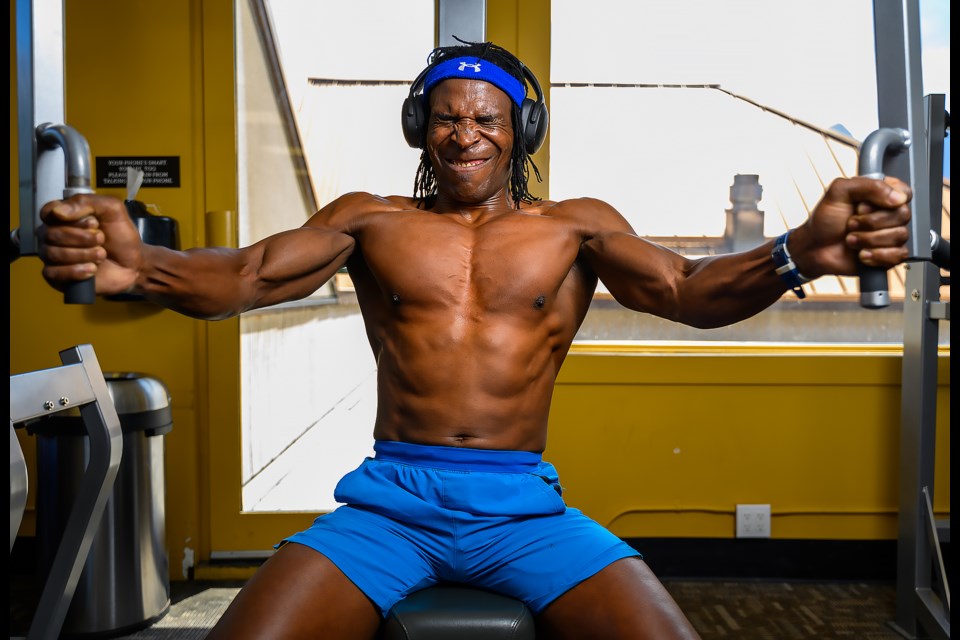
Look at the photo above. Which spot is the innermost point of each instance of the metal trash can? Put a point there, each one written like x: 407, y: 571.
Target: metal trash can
x: 125, y: 582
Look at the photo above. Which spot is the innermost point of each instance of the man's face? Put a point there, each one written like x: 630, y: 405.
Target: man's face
x: 470, y: 139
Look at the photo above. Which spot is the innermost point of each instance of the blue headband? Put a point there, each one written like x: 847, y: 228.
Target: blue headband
x: 476, y: 69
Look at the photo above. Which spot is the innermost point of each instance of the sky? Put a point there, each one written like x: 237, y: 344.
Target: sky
x: 813, y: 59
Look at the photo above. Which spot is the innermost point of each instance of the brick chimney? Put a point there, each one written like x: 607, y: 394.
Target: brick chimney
x: 744, y: 228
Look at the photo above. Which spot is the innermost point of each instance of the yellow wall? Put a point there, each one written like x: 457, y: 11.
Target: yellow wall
x: 665, y: 441
x: 650, y: 442
x: 133, y: 86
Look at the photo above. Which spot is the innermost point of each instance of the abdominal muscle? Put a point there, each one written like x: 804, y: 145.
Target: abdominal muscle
x: 479, y: 385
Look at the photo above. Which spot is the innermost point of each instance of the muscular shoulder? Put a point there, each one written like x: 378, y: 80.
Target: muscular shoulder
x: 352, y: 210
x: 591, y: 216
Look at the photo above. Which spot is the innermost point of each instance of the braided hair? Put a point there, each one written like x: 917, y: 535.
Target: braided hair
x: 425, y: 183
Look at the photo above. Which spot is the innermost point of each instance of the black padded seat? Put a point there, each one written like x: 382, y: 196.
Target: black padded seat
x: 458, y: 613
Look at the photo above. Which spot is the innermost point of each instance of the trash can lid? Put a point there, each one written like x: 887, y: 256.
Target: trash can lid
x: 136, y: 392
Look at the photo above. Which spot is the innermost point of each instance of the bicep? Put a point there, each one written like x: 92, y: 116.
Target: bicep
x: 293, y: 264
x: 640, y: 275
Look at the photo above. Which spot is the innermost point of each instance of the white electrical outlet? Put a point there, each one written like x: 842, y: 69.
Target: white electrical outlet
x: 753, y: 521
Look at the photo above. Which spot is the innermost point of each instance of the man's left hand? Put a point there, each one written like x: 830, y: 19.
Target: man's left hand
x: 858, y: 220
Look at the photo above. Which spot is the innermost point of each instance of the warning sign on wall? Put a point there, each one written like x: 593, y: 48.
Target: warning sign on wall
x: 158, y: 171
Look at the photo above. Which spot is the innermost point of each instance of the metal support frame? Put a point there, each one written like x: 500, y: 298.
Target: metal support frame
x: 18, y: 485
x: 45, y: 175
x: 466, y: 19
x: 40, y: 99
x: 900, y: 105
x: 78, y: 383
x: 920, y: 611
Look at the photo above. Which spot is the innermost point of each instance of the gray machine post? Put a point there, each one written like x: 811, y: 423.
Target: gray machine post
x: 900, y: 106
x: 44, y: 174
x: 465, y: 19
x: 920, y: 611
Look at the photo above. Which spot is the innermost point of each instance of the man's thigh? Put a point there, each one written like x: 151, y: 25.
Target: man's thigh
x: 298, y: 593
x: 624, y: 600
x: 537, y: 559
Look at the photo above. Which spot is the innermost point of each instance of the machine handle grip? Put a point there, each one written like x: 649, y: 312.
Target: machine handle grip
x: 76, y: 153
x: 83, y: 292
x: 874, y: 288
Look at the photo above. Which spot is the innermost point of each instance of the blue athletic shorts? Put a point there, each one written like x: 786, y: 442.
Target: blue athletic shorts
x: 415, y: 515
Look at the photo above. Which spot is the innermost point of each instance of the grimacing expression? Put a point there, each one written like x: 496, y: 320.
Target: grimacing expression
x: 470, y: 139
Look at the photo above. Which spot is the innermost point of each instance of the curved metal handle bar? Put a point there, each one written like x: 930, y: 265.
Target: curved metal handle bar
x: 874, y: 290
x: 76, y: 153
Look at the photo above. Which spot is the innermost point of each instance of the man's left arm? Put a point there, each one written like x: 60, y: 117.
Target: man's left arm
x: 858, y: 219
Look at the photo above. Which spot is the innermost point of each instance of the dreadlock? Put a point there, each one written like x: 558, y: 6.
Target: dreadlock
x: 425, y: 183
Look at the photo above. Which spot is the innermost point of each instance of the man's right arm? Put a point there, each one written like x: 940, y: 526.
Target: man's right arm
x: 93, y: 236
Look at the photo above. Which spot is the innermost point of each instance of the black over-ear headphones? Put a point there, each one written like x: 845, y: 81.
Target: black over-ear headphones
x: 533, y: 114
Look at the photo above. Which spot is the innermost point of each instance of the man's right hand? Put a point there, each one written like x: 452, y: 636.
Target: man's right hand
x: 89, y: 235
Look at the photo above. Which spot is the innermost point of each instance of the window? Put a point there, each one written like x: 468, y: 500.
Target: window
x: 660, y: 107
x: 320, y: 86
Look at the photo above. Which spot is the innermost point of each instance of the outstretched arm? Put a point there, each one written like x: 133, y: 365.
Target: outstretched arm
x: 857, y: 219
x: 93, y: 236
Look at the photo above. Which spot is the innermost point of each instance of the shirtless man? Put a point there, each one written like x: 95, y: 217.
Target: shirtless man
x: 472, y: 294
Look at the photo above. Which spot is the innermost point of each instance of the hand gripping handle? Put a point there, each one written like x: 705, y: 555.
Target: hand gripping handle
x: 874, y: 293
x: 76, y: 153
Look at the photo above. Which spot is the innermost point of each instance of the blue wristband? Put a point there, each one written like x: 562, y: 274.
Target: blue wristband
x: 786, y: 268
